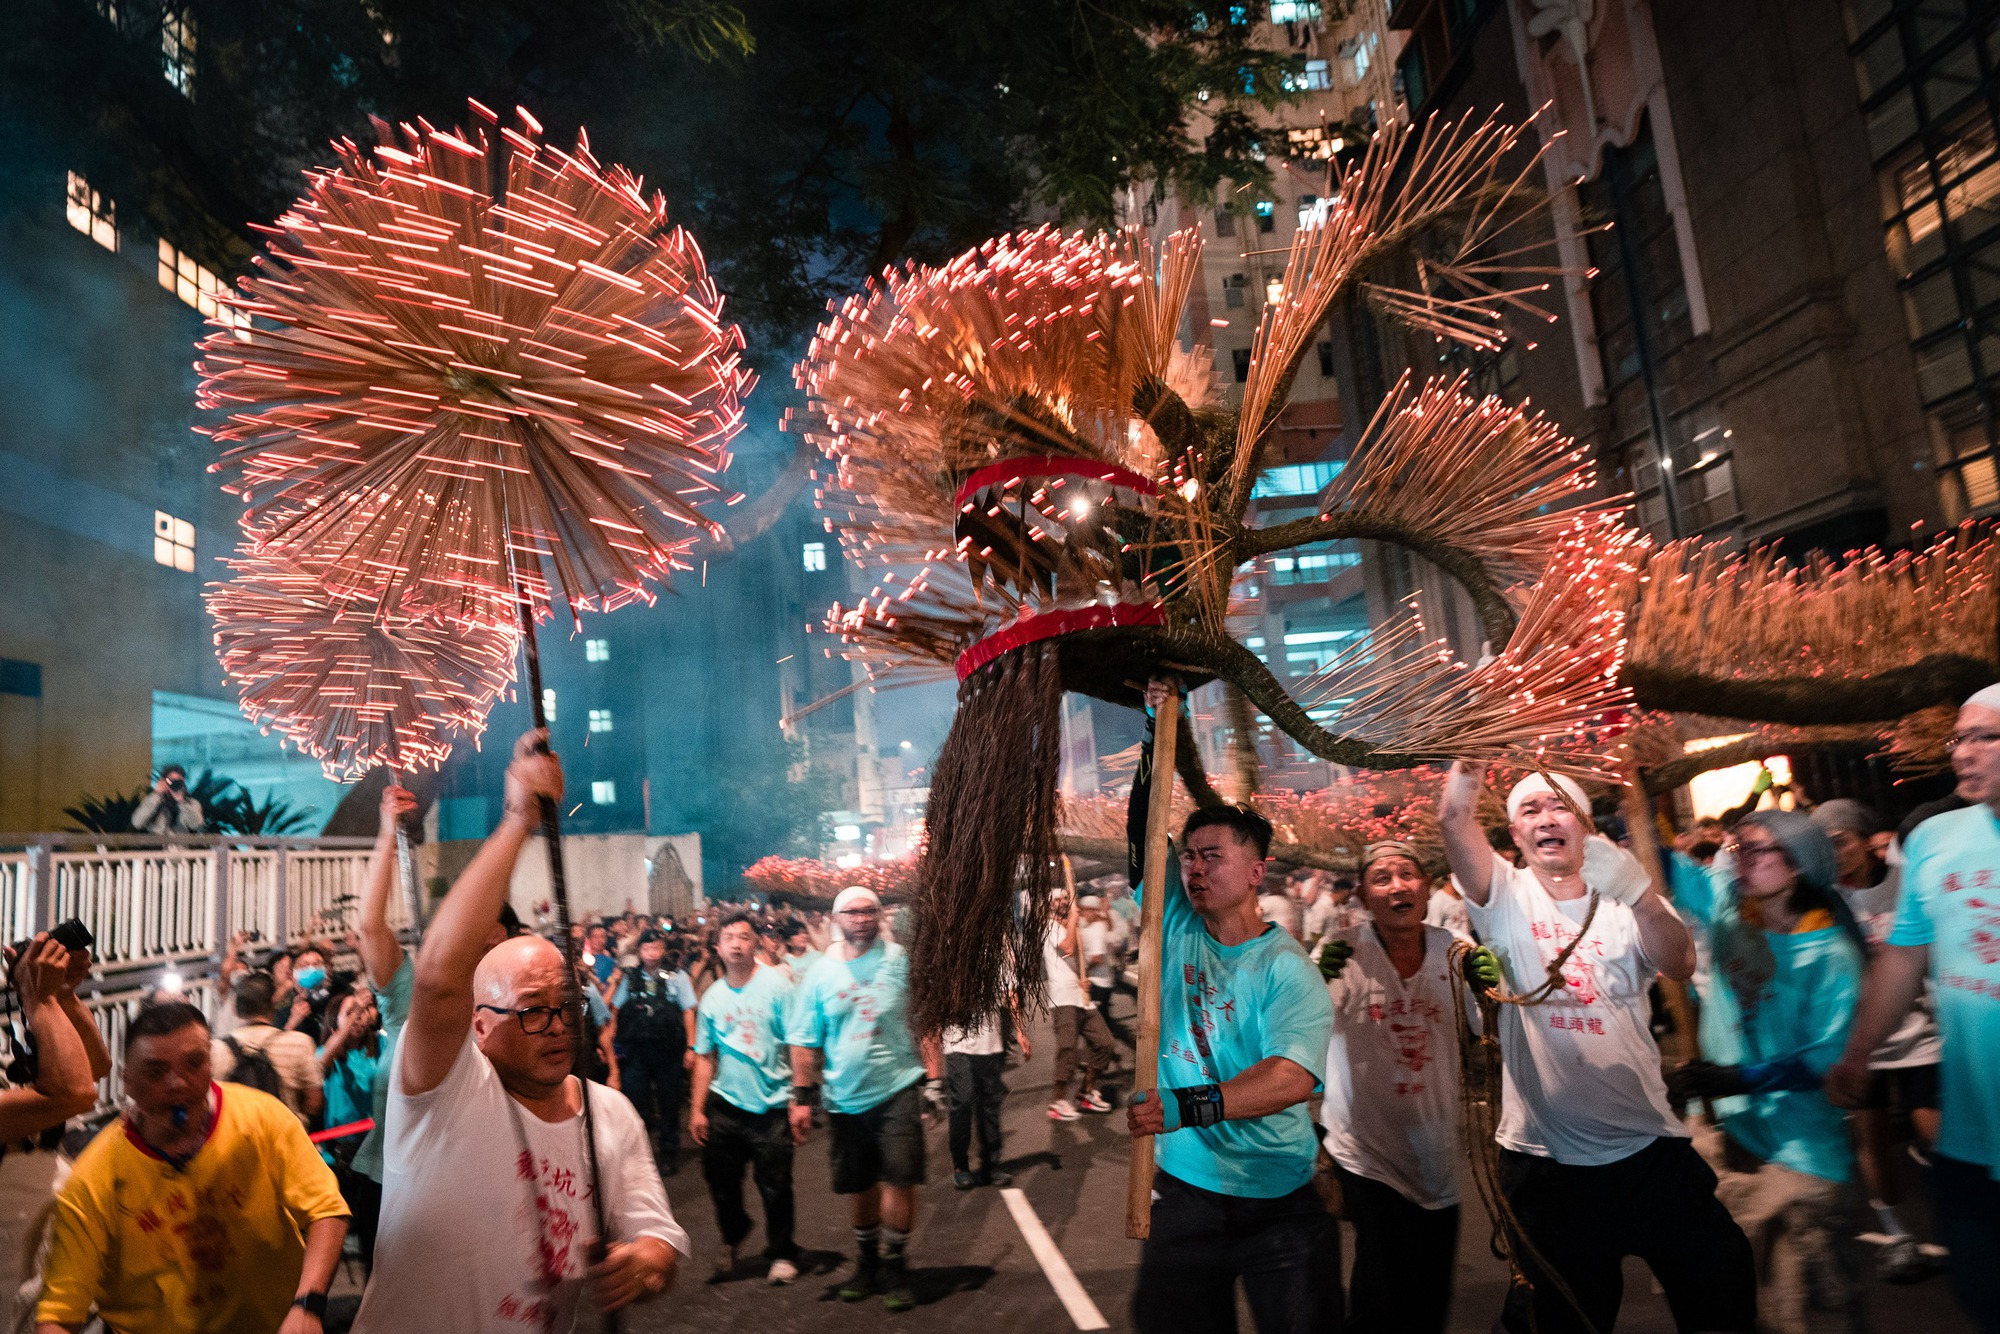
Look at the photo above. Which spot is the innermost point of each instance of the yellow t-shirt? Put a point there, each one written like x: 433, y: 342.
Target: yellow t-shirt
x: 215, y: 1247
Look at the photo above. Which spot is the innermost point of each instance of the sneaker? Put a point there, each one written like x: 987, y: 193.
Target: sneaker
x: 895, y: 1287
x: 993, y: 1176
x: 1093, y: 1101
x: 861, y: 1283
x: 1062, y: 1110
x: 725, y: 1268
x: 781, y: 1273
x: 1902, y: 1260
x: 964, y: 1180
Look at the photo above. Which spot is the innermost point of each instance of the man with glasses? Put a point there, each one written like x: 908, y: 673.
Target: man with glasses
x: 1948, y: 929
x: 490, y: 1199
x: 851, y: 1015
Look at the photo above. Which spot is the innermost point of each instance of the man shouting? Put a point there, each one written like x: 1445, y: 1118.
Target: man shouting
x: 488, y: 1221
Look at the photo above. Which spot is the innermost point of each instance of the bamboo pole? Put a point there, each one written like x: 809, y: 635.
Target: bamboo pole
x: 1146, y: 1075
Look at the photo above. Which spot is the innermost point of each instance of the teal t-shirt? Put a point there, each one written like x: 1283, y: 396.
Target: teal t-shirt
x: 393, y: 1004
x: 1768, y: 997
x: 1222, y: 1010
x: 745, y: 1031
x: 855, y: 1010
x: 1951, y: 902
x: 350, y: 1093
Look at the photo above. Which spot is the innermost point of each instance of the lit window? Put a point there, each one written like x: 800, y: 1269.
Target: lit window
x: 177, y: 48
x: 1316, y: 77
x: 815, y: 556
x: 1267, y: 219
x: 600, y: 720
x: 603, y: 792
x: 597, y: 650
x: 549, y: 703
x: 1295, y: 11
x: 92, y: 214
x: 173, y: 542
x: 1312, y: 143
x: 1296, y: 479
x: 197, y: 285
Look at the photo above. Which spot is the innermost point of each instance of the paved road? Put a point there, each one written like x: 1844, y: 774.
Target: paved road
x: 973, y: 1269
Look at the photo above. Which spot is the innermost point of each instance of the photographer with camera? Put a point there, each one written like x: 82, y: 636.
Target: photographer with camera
x: 168, y: 809
x: 52, y: 1069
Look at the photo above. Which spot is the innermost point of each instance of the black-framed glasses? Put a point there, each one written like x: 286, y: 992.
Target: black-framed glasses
x: 535, y: 1019
x: 1749, y: 852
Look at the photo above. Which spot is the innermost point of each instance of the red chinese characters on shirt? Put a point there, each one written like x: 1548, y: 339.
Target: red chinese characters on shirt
x: 1579, y: 972
x: 1983, y: 939
x: 553, y: 1225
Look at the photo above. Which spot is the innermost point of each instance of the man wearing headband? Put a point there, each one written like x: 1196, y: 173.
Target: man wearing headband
x: 1595, y: 1164
x: 853, y: 1009
x: 1391, y: 1112
x: 1244, y: 1025
x: 1948, y: 929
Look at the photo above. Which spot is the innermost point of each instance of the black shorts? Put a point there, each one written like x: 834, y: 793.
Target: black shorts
x: 884, y: 1143
x: 1903, y: 1089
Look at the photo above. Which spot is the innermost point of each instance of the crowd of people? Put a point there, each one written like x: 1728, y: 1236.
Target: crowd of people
x: 1314, y: 1034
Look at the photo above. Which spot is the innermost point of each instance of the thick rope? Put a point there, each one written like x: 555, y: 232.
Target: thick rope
x: 1479, y: 1096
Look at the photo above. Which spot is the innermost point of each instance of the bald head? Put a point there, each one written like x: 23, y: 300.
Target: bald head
x: 525, y: 963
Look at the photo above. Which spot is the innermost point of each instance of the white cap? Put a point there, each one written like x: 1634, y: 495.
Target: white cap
x: 854, y: 894
x: 1090, y: 901
x: 1988, y: 698
x: 1536, y: 784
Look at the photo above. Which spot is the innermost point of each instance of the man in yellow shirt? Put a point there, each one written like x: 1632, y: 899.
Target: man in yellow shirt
x: 206, y: 1211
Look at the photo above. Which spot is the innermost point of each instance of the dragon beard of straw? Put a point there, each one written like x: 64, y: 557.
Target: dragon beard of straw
x: 991, y: 823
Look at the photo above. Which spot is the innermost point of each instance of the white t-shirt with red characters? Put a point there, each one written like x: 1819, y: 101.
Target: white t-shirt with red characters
x: 1582, y: 1072
x: 1391, y: 1109
x: 487, y: 1219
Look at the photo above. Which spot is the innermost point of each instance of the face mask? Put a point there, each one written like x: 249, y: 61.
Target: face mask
x: 310, y: 978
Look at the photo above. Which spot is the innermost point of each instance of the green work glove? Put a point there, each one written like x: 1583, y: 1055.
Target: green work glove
x: 1333, y: 957
x: 1763, y: 784
x: 1481, y: 968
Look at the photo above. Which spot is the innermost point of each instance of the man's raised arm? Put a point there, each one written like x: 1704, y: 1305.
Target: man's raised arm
x: 1465, y: 846
x: 381, y: 953
x: 441, y: 1000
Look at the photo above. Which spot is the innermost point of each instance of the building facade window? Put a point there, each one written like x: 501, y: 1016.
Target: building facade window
x: 91, y: 213
x: 196, y: 284
x: 1267, y: 215
x: 1239, y: 358
x: 1930, y: 103
x: 603, y: 792
x: 1225, y: 222
x: 597, y: 650
x: 1295, y: 11
x: 1234, y: 285
x: 600, y: 720
x: 1639, y: 303
x: 177, y: 47
x: 173, y: 542
x: 815, y: 557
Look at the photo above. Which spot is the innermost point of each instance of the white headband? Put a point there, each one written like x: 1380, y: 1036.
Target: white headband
x: 1535, y: 784
x: 854, y: 894
x: 1988, y: 698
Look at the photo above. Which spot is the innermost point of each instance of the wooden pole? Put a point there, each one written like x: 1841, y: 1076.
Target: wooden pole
x: 1146, y: 1075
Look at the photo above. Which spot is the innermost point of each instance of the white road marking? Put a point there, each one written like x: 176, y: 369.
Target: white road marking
x: 1062, y: 1278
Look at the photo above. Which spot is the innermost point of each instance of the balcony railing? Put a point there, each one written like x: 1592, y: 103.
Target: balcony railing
x: 170, y: 905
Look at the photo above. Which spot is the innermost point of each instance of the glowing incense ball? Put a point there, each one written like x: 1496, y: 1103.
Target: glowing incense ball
x: 535, y: 388
x: 346, y: 685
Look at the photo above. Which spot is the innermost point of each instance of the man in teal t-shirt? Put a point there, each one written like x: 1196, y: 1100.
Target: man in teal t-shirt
x: 742, y: 1084
x: 1948, y: 926
x: 1245, y: 1021
x: 852, y: 1007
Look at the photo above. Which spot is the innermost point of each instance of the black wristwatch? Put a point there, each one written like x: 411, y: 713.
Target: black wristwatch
x: 312, y: 1303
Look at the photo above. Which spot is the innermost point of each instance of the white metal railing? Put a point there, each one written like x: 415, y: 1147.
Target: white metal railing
x: 170, y: 905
